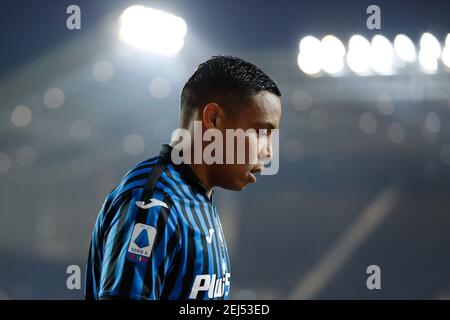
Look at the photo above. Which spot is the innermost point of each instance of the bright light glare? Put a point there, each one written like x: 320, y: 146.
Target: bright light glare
x: 152, y: 30
x: 430, y: 45
x: 332, y: 53
x: 309, y: 62
x: 446, y: 52
x: 365, y: 58
x: 446, y: 56
x: 430, y: 51
x: 316, y: 55
x: 404, y: 48
x: 309, y: 58
x: 382, y: 55
x: 309, y: 43
x: 332, y: 46
x: 358, y: 56
x: 333, y: 65
x: 428, y: 61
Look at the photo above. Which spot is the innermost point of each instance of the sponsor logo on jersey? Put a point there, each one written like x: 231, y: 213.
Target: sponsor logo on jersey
x: 216, y: 287
x: 152, y: 203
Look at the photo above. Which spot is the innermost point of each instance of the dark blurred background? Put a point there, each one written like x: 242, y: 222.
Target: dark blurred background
x: 364, y: 176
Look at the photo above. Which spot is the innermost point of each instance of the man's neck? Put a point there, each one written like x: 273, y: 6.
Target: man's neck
x: 200, y: 170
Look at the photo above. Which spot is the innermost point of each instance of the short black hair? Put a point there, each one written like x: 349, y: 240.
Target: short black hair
x: 222, y: 79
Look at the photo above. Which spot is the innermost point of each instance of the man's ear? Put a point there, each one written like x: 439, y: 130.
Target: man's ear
x: 211, y: 115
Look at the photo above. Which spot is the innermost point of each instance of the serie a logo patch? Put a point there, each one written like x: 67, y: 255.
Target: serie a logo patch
x: 141, y: 244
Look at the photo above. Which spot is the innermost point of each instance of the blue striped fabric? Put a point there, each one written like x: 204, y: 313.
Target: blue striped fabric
x: 173, y: 248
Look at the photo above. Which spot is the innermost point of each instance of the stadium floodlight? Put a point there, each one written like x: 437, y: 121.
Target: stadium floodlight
x: 309, y: 43
x: 379, y: 56
x: 404, y: 48
x: 430, y: 51
x: 382, y: 55
x: 152, y: 30
x: 430, y: 45
x: 309, y: 57
x: 332, y: 54
x: 309, y: 62
x: 333, y: 46
x: 428, y: 61
x: 333, y: 65
x: 446, y: 55
x: 358, y: 55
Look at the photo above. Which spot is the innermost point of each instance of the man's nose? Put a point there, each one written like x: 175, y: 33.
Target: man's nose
x: 266, y: 150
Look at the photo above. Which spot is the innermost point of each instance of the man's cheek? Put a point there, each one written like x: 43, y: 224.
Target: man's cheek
x: 253, y: 150
x: 274, y: 164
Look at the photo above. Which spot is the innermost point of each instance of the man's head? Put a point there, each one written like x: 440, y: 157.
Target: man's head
x: 226, y: 92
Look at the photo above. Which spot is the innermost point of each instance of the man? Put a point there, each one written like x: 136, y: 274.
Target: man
x: 158, y: 234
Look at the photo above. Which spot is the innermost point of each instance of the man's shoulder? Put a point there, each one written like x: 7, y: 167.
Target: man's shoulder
x: 134, y: 181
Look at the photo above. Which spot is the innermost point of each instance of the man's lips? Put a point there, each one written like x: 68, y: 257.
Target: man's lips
x: 253, y: 172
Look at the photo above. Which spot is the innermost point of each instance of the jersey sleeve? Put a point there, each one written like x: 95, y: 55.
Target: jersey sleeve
x: 139, y: 247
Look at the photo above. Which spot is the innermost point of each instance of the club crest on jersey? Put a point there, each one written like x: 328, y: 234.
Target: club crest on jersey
x: 141, y: 243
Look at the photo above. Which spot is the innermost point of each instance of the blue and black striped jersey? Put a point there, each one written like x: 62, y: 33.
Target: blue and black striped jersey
x: 169, y: 245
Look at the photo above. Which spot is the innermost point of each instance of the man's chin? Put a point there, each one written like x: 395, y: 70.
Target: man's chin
x: 236, y: 186
x: 241, y: 186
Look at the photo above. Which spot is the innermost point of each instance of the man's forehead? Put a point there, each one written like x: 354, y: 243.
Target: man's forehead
x: 267, y: 97
x: 266, y: 106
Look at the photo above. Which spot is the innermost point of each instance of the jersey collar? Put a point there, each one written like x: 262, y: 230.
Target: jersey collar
x: 185, y: 171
